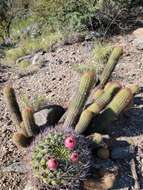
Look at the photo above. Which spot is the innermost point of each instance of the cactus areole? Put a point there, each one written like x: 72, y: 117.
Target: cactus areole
x: 59, y: 159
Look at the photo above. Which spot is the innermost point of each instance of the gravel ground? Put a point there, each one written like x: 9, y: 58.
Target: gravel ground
x: 56, y: 81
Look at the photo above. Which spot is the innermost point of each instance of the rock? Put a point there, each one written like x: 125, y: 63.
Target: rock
x: 49, y: 115
x: 138, y: 41
x: 38, y: 58
x: 139, y: 44
x: 17, y: 167
x: 29, y: 187
x: 122, y: 152
x: 138, y: 33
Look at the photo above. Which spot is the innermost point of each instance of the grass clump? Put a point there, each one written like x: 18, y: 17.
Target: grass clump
x: 24, y: 64
x: 28, y: 46
x: 12, y: 55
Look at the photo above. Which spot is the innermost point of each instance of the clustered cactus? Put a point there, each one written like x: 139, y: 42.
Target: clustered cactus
x: 61, y: 157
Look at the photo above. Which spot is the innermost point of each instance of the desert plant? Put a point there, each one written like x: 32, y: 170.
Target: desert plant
x: 112, y: 61
x: 96, y: 107
x: 12, y: 105
x: 59, y: 159
x: 77, y: 103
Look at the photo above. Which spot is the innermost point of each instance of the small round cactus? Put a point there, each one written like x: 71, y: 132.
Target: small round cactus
x: 59, y: 159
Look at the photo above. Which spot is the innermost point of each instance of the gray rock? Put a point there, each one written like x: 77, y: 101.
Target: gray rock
x: 17, y: 167
x: 29, y: 187
x: 122, y: 152
x: 49, y: 115
x: 139, y: 43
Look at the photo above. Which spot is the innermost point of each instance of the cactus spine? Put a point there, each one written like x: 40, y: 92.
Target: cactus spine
x: 21, y: 140
x: 29, y: 122
x: 78, y: 101
x: 95, y: 108
x: 12, y: 104
x: 113, y: 59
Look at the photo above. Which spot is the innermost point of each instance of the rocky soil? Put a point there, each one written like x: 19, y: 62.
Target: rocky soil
x: 56, y: 81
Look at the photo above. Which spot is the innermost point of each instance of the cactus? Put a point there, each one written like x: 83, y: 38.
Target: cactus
x: 59, y: 159
x: 95, y: 108
x: 102, y: 183
x: 96, y: 138
x: 112, y: 111
x: 29, y: 122
x: 103, y: 153
x: 21, y: 140
x: 97, y: 94
x: 134, y: 88
x: 13, y: 106
x: 78, y: 101
x: 112, y: 61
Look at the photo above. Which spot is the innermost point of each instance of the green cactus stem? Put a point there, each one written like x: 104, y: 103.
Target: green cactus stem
x: 103, y: 153
x: 12, y: 105
x: 97, y: 94
x: 95, y: 108
x: 21, y: 140
x: 119, y: 103
x: 104, y: 182
x: 96, y: 137
x: 135, y: 88
x: 113, y: 59
x: 29, y: 122
x: 78, y: 101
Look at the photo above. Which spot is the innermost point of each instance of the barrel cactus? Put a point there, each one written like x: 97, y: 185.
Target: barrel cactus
x: 59, y: 159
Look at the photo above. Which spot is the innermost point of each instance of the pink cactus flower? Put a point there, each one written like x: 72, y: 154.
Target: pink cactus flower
x: 52, y: 164
x: 74, y: 156
x: 70, y: 142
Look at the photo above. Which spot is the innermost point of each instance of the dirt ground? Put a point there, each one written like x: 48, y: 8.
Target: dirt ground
x: 56, y: 80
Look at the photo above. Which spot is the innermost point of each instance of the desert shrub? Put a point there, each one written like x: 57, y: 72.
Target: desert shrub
x: 82, y: 14
x: 30, y: 45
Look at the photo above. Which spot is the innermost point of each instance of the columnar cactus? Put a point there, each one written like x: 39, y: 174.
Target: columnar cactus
x: 21, y: 140
x: 12, y: 105
x: 29, y: 122
x: 119, y: 103
x: 78, y: 101
x: 113, y: 59
x: 59, y: 159
x: 96, y: 94
x: 96, y: 107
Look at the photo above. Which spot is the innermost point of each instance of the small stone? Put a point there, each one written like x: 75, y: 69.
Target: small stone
x: 139, y: 43
x: 138, y: 33
x: 122, y: 152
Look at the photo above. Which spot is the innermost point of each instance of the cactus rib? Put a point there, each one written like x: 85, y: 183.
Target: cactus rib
x: 13, y: 106
x: 113, y: 59
x: 78, y: 101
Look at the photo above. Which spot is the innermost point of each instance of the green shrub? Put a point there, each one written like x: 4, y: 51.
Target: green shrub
x: 13, y: 54
x: 24, y: 64
x: 80, y: 15
x: 29, y: 46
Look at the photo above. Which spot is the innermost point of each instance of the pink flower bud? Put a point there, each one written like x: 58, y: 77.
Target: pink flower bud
x: 70, y: 142
x: 74, y: 156
x: 52, y: 164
